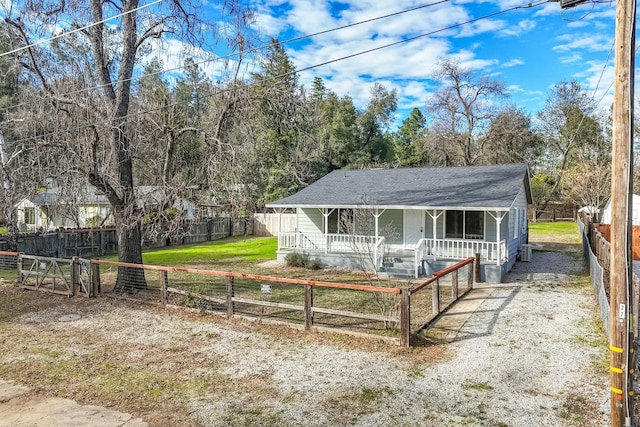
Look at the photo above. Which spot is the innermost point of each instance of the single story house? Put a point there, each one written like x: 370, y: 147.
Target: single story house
x: 417, y: 219
x: 50, y: 209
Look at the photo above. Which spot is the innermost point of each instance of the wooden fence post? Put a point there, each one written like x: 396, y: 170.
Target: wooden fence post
x: 229, y: 280
x: 19, y: 266
x: 75, y: 275
x: 163, y: 278
x: 435, y: 296
x: 470, y: 274
x: 95, y: 280
x: 308, y: 307
x: 454, y: 285
x: 476, y: 264
x: 405, y: 317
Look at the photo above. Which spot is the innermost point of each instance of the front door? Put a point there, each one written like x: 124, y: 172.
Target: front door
x: 413, y: 227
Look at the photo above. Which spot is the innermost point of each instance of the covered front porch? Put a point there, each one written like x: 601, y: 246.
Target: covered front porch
x: 371, y: 252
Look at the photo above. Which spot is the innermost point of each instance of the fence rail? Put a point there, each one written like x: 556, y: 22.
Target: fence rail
x: 461, y: 249
x: 340, y: 243
x: 446, y: 290
x: 316, y: 305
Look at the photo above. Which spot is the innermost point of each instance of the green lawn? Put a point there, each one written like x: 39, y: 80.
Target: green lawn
x: 237, y: 249
x: 560, y: 231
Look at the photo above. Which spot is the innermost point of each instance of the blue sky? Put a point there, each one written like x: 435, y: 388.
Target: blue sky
x: 530, y: 49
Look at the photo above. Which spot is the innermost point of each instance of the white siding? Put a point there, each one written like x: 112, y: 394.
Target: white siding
x: 517, y: 231
x: 310, y: 220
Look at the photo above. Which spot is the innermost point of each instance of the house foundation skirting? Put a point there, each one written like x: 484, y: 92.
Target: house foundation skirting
x: 490, y: 272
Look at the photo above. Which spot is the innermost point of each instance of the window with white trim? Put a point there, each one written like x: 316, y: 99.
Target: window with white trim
x: 467, y: 225
x: 340, y: 221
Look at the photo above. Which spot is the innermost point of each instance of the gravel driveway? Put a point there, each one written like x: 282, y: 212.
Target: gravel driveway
x: 532, y: 354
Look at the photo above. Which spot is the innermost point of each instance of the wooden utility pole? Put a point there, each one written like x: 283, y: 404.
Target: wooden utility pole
x: 621, y: 190
x: 621, y: 276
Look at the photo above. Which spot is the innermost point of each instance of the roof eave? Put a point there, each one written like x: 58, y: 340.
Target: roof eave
x: 398, y: 207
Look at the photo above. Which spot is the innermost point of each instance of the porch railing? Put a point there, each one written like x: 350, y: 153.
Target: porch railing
x: 334, y: 243
x: 460, y: 249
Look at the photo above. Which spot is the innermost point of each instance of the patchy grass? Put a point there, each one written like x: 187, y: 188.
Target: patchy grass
x: 478, y: 386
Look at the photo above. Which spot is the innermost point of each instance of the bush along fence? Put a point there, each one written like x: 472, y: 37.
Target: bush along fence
x: 100, y: 241
x: 385, y: 311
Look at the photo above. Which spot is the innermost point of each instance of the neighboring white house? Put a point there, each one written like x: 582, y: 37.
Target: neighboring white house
x: 635, y: 212
x: 428, y: 217
x: 50, y: 209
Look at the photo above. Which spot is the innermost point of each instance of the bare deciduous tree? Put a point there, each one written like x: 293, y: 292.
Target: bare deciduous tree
x: 462, y: 110
x: 86, y: 80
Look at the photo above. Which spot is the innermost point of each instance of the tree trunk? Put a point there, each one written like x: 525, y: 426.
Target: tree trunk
x: 130, y: 279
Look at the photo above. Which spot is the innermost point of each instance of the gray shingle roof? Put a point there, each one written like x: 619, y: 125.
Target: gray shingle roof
x: 493, y: 187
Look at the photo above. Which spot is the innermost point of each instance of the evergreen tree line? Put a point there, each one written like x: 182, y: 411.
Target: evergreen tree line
x: 250, y: 142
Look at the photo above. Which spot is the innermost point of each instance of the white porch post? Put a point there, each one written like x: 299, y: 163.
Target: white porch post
x: 434, y: 221
x: 376, y: 216
x: 279, y: 217
x: 498, y: 217
x: 325, y: 213
x: 498, y: 226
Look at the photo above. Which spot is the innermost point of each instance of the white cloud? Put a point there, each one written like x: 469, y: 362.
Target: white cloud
x: 521, y: 28
x: 570, y: 59
x: 598, y: 79
x: 593, y: 42
x: 408, y: 67
x: 513, y: 63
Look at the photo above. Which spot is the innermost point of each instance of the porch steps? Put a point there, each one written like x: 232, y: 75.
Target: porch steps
x: 400, y: 265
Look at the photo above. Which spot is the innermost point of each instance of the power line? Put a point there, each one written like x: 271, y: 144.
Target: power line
x: 93, y: 24
x: 243, y: 52
x: 221, y: 91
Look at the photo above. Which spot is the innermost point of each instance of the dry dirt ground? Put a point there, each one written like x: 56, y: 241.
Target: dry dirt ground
x: 532, y: 353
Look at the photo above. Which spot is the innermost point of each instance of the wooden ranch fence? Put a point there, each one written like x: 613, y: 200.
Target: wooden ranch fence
x: 234, y: 292
x: 313, y: 304
x: 68, y: 277
x: 446, y: 290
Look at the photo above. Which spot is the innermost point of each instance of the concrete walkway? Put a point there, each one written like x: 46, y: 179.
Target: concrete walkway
x: 449, y: 324
x: 18, y: 408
